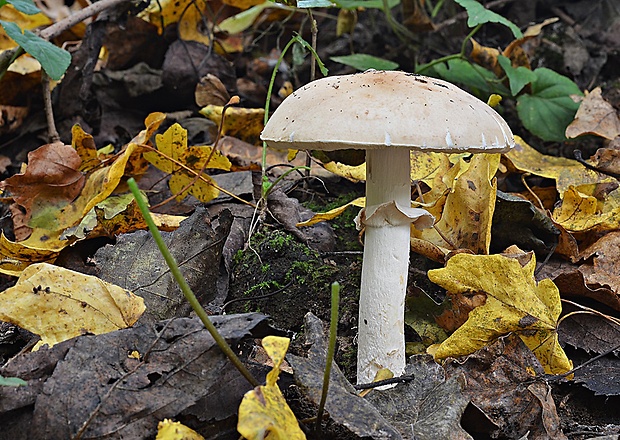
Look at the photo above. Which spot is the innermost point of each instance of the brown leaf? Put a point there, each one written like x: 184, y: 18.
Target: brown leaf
x: 497, y: 378
x: 595, y: 116
x: 52, y: 177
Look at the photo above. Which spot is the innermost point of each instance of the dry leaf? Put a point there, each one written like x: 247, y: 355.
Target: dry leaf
x: 595, y: 116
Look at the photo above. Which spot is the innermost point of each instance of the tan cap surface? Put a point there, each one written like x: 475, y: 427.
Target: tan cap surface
x: 379, y: 109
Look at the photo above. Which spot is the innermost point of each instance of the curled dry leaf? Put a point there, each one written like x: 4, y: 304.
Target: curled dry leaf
x: 595, y: 116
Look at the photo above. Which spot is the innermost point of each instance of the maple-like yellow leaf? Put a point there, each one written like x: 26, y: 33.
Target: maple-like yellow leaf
x: 174, y: 157
x: 59, y: 304
x: 514, y: 303
x: 264, y: 413
x: 169, y: 430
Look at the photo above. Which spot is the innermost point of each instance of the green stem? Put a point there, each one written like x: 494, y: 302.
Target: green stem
x: 187, y: 291
x: 331, y: 348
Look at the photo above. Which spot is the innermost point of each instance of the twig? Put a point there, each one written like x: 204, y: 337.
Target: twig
x: 52, y: 133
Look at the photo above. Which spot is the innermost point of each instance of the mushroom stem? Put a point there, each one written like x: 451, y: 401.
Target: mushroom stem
x: 381, y: 340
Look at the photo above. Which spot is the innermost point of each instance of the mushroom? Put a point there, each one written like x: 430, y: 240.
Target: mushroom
x: 386, y: 113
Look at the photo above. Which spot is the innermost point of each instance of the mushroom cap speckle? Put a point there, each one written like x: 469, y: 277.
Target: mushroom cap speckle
x: 379, y: 109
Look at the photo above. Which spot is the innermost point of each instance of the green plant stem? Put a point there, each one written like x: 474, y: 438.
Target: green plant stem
x: 331, y: 348
x: 187, y: 291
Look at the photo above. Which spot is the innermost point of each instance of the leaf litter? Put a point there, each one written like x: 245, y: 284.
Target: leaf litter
x: 554, y: 203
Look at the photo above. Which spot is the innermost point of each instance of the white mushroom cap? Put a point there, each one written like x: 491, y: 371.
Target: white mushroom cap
x: 378, y: 109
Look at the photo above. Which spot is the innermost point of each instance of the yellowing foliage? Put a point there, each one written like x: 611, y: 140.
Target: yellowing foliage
x: 514, y: 303
x: 264, y: 413
x: 174, y: 157
x: 169, y: 430
x: 59, y: 304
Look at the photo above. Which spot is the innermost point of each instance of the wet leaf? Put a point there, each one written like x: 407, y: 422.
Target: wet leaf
x: 514, y: 303
x: 59, y: 304
x: 264, y: 413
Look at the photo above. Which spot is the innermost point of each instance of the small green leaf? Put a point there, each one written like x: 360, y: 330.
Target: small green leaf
x: 54, y: 60
x: 519, y: 77
x: 25, y: 6
x: 478, y: 14
x: 481, y: 81
x: 550, y: 108
x: 12, y: 382
x: 362, y: 61
x: 307, y: 46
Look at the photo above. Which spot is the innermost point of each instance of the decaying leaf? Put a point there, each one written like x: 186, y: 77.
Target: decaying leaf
x: 595, y: 116
x: 51, y: 180
x: 514, y: 303
x: 59, y: 304
x: 264, y: 413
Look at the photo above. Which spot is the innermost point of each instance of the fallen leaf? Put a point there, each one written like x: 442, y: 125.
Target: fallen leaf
x: 499, y: 379
x: 51, y: 180
x: 463, y: 201
x: 94, y: 382
x: 263, y: 412
x: 169, y: 430
x: 595, y: 116
x: 185, y: 163
x: 345, y: 408
x: 59, y: 304
x: 580, y: 211
x: 333, y: 213
x: 565, y: 172
x: 514, y: 303
x: 243, y: 123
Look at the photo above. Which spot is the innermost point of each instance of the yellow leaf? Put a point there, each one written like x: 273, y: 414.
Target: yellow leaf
x: 333, y: 213
x: 463, y: 199
x: 580, y: 212
x: 173, y: 144
x: 565, y: 172
x: 59, y: 304
x: 243, y: 123
x: 169, y: 430
x: 514, y: 303
x: 264, y: 413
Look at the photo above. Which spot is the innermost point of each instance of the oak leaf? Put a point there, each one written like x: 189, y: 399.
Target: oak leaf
x: 515, y: 303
